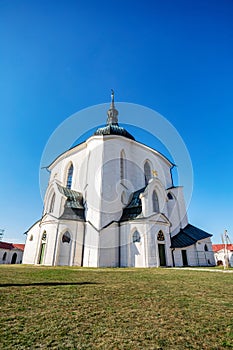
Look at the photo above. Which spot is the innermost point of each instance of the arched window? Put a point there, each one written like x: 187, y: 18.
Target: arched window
x: 206, y: 248
x: 31, y: 238
x: 169, y: 196
x: 136, y: 237
x: 44, y: 236
x: 51, y: 208
x: 160, y: 236
x: 155, y: 202
x: 4, y: 256
x: 66, y: 237
x: 123, y: 198
x: 122, y: 165
x: 69, y: 176
x: 147, y: 172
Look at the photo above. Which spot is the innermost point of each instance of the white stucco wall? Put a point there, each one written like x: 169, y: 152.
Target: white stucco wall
x: 8, y: 253
x: 196, y: 254
x: 220, y: 256
x: 31, y: 245
x: 97, y: 175
x: 91, y: 242
x: 109, y: 246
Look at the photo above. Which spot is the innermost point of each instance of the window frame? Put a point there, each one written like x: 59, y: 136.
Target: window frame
x: 147, y: 172
x: 160, y: 239
x: 155, y: 201
x: 69, y: 177
x: 136, y: 237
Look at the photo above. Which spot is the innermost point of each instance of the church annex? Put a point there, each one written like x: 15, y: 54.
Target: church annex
x: 111, y: 202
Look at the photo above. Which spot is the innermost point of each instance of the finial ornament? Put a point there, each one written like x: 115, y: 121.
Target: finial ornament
x: 112, y: 96
x: 112, y: 112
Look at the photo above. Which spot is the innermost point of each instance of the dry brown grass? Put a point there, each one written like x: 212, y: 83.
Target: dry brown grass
x: 78, y: 308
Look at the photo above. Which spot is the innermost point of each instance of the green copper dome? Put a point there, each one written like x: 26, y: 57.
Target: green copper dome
x: 114, y: 129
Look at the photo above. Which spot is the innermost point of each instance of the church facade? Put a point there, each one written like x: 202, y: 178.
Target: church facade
x: 111, y: 202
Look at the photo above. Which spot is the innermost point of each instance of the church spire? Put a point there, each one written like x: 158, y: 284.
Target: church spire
x: 112, y: 112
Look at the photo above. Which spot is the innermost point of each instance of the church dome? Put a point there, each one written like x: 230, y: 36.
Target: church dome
x: 112, y: 127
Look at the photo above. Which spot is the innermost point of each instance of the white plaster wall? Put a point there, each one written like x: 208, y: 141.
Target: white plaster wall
x: 73, y: 256
x: 78, y: 247
x: 91, y: 246
x: 177, y: 257
x: 147, y: 198
x: 196, y: 254
x: 59, y: 168
x: 109, y: 246
x: 137, y: 250
x: 177, y: 211
x: 59, y: 202
x: 231, y: 258
x: 124, y: 243
x: 135, y: 157
x: 97, y: 174
x: 93, y: 191
x: 191, y: 256
x: 30, y: 249
x: 145, y: 253
x: 205, y: 258
x: 9, y: 255
x: 54, y: 231
x: 220, y: 255
x: 132, y: 254
x: 50, y: 226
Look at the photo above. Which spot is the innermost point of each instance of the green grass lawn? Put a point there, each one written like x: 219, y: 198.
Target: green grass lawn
x: 78, y: 308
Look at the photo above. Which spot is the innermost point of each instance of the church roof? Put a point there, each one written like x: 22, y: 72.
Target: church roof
x: 217, y: 247
x: 134, y: 207
x: 114, y: 129
x: 188, y: 236
x: 74, y: 209
x: 74, y: 198
x: 72, y: 214
x: 10, y: 246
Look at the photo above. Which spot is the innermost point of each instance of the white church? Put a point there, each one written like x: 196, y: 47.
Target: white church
x: 111, y: 202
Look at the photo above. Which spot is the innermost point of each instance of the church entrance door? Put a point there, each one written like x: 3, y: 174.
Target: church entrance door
x: 42, y: 251
x: 162, y: 255
x: 184, y: 257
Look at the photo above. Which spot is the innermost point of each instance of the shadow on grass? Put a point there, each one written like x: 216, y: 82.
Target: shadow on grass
x: 46, y: 284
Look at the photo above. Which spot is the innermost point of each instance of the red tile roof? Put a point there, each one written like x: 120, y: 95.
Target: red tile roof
x: 19, y: 246
x: 5, y: 245
x: 217, y: 247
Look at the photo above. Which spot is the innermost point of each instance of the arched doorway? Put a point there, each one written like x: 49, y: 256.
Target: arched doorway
x: 4, y: 256
x: 13, y: 259
x: 42, y: 248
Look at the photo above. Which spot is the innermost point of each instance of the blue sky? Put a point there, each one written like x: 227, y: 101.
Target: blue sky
x: 58, y: 57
